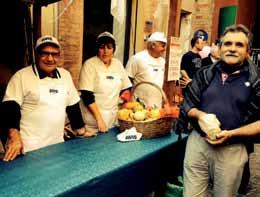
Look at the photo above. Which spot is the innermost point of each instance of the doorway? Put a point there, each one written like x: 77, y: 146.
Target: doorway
x: 97, y: 18
x: 15, y: 40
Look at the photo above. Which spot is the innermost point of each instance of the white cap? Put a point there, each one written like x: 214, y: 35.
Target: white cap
x: 47, y: 39
x: 157, y: 36
x: 106, y: 34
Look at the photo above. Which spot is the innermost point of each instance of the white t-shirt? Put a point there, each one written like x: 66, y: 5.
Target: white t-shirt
x: 143, y: 67
x: 23, y: 87
x: 90, y: 79
x: 105, y: 82
x: 43, y: 103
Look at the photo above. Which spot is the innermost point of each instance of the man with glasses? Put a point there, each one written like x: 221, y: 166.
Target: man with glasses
x: 36, y: 101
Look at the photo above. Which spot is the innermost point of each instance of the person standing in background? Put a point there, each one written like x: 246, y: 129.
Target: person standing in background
x: 149, y: 65
x: 212, y: 57
x: 206, y: 48
x: 191, y: 61
x: 102, y: 80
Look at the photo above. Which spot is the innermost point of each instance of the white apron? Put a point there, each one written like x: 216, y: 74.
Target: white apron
x: 106, y: 93
x: 148, y: 94
x: 44, y: 124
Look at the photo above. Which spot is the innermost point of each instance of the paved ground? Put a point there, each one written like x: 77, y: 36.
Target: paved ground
x: 254, y: 185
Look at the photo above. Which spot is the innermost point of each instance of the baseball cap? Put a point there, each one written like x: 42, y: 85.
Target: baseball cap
x: 106, y: 34
x: 105, y: 38
x: 47, y: 39
x: 157, y: 36
x: 201, y: 34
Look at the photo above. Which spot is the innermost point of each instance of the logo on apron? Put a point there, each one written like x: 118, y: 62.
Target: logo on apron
x: 110, y: 77
x: 53, y: 91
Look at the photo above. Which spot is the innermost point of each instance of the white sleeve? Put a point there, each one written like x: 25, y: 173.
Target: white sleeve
x: 87, y: 76
x: 137, y: 69
x: 126, y: 83
x: 131, y: 67
x: 73, y: 95
x: 15, y: 89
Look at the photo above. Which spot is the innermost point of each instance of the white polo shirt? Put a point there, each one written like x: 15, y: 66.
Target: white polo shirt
x: 106, y: 82
x: 143, y: 67
x: 23, y: 87
x: 43, y: 105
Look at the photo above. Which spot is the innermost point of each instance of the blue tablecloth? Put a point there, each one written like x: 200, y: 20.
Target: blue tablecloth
x: 99, y: 166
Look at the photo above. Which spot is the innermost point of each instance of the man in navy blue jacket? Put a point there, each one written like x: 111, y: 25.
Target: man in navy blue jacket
x: 222, y: 103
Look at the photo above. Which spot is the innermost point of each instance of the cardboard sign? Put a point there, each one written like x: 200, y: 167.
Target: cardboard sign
x: 175, y: 55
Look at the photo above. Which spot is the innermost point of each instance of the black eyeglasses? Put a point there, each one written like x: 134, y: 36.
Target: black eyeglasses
x: 46, y: 54
x: 108, y: 45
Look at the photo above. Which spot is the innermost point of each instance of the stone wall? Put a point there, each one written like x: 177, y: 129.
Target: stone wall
x: 70, y: 27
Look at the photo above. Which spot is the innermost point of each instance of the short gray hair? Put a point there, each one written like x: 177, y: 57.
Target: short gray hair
x: 236, y: 29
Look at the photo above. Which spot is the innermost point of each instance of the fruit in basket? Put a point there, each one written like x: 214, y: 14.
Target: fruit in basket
x: 175, y: 111
x: 140, y: 115
x: 126, y: 96
x: 170, y: 111
x: 138, y: 107
x: 154, y: 113
x: 130, y: 104
x: 124, y: 114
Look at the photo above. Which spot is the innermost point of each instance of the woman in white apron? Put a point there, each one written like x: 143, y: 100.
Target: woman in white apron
x: 102, y: 79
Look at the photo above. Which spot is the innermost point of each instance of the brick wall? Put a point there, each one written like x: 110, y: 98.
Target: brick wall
x: 203, y: 16
x: 70, y: 34
x: 70, y: 28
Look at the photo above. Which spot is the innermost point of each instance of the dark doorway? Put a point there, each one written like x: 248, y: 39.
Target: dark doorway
x: 97, y: 18
x: 14, y: 16
x: 255, y: 51
x: 15, y: 34
x: 256, y: 30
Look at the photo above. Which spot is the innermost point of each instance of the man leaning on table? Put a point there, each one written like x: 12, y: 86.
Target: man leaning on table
x: 36, y: 101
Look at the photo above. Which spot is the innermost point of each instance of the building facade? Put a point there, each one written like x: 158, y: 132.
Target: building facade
x: 76, y: 23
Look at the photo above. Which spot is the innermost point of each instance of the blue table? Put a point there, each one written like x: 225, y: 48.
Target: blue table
x: 95, y: 167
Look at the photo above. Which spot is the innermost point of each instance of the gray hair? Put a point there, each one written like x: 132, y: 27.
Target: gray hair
x: 237, y: 28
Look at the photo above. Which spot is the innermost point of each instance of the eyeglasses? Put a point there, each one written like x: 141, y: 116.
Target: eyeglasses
x: 46, y: 54
x: 108, y: 46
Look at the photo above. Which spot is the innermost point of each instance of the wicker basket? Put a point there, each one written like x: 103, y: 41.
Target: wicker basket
x: 151, y: 128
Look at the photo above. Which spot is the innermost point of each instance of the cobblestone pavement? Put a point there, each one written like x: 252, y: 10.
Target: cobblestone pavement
x: 254, y: 185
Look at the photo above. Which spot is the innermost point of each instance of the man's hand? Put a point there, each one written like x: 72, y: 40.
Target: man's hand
x: 89, y: 133
x: 221, y: 138
x: 14, y: 145
x: 185, y: 79
x: 84, y: 132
